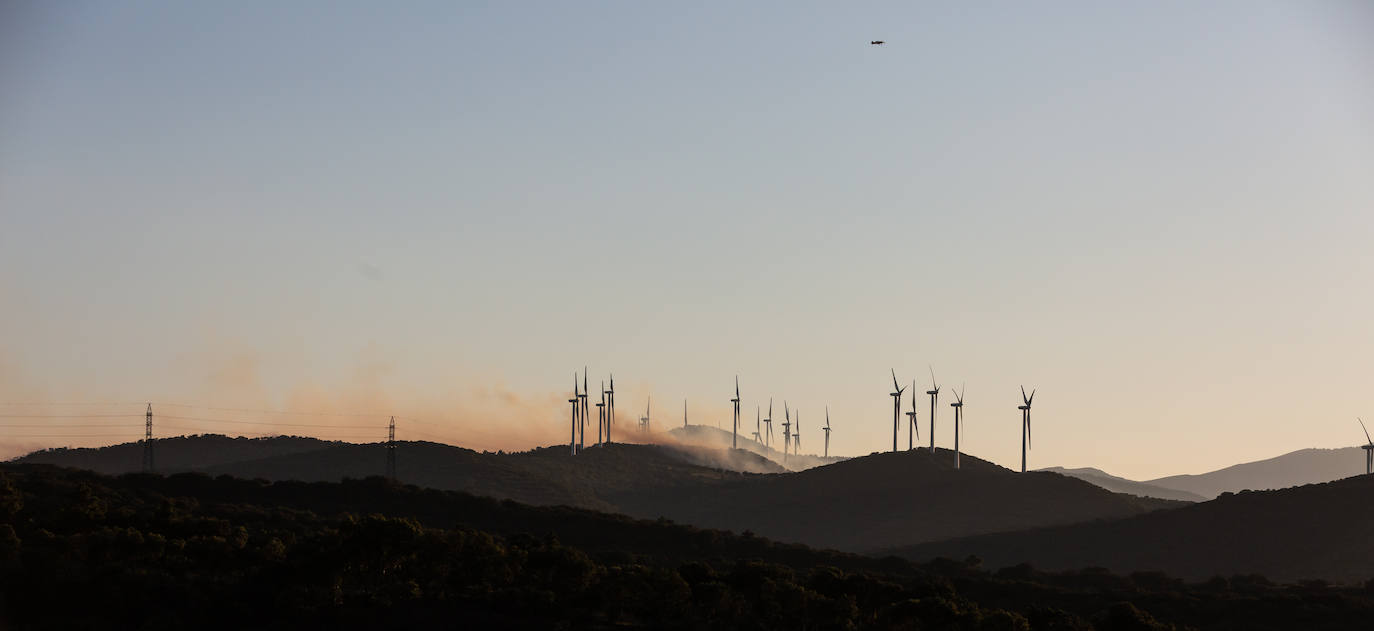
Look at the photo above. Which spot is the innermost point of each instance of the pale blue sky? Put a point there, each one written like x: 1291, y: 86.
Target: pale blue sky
x: 1158, y: 213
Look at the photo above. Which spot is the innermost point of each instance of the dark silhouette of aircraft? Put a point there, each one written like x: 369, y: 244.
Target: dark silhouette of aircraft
x: 877, y: 42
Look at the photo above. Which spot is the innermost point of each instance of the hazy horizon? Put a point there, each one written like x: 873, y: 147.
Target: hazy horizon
x: 1154, y: 214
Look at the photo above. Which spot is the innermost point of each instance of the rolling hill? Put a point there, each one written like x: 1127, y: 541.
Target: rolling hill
x: 545, y: 476
x: 180, y: 453
x: 1317, y: 531
x: 1305, y: 466
x: 1122, y: 485
x: 863, y: 504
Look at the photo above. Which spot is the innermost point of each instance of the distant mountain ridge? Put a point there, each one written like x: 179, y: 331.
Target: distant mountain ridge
x: 1304, y: 466
x: 1117, y: 484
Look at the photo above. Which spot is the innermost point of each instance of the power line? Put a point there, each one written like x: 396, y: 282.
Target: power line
x: 69, y: 436
x: 59, y: 405
x: 208, y: 407
x: 269, y: 423
x: 69, y: 415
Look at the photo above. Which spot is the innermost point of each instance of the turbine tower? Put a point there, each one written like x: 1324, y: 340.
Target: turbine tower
x: 934, y: 393
x: 768, y: 422
x: 1025, y: 424
x: 958, y: 406
x: 734, y: 433
x: 796, y: 435
x: 827, y: 431
x: 1368, y: 449
x: 913, y: 430
x: 575, y: 401
x: 684, y: 414
x: 610, y: 409
x: 896, y: 409
x: 582, y: 424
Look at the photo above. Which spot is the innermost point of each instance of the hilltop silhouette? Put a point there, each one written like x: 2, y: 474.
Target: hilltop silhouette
x: 177, y: 453
x: 1318, y: 531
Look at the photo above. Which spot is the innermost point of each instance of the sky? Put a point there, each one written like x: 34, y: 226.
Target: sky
x: 1157, y: 214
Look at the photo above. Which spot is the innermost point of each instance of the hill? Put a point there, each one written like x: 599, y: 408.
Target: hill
x: 1318, y: 531
x: 1305, y: 466
x: 176, y: 454
x: 1122, y: 485
x: 545, y: 476
x: 714, y: 437
x: 868, y: 503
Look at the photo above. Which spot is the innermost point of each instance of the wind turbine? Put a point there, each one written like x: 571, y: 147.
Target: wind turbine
x: 644, y: 422
x: 601, y: 413
x: 575, y: 401
x: 896, y: 409
x: 734, y: 434
x: 796, y: 435
x: 758, y: 425
x: 913, y: 430
x: 1025, y: 424
x: 958, y: 406
x: 786, y: 430
x: 582, y: 423
x: 768, y: 421
x: 1368, y: 449
x: 934, y: 393
x: 827, y: 431
x: 610, y: 408
x: 684, y: 414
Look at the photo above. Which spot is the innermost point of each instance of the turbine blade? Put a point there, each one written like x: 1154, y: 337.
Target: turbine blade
x: 1023, y: 395
x: 1031, y: 399
x: 1366, y: 430
x: 894, y: 379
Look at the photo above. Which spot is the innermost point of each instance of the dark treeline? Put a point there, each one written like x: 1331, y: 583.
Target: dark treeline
x: 81, y: 550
